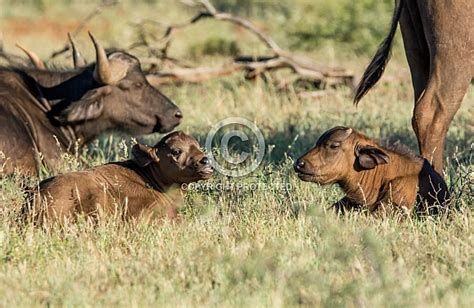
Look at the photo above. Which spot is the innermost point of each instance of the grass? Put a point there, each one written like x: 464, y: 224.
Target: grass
x: 272, y: 246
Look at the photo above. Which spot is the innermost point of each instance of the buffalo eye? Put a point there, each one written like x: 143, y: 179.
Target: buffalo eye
x: 176, y: 152
x: 125, y: 85
x: 138, y: 84
x: 334, y: 145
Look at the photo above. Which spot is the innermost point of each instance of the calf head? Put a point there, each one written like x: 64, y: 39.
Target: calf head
x: 120, y: 98
x: 176, y: 159
x: 338, y: 153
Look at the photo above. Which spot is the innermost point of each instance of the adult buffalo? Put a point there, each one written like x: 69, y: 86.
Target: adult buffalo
x: 439, y: 46
x: 40, y: 109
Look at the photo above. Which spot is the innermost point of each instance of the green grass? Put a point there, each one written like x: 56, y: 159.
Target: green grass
x: 265, y: 247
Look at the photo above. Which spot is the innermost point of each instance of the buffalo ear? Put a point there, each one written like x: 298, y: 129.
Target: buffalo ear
x: 89, y: 107
x: 143, y: 155
x: 369, y: 157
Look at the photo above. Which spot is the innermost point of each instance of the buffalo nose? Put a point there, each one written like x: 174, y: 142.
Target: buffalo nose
x: 178, y: 114
x: 204, y: 161
x: 299, y: 164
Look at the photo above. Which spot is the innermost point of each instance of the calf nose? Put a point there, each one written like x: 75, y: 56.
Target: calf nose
x: 299, y: 164
x: 178, y: 114
x: 204, y: 161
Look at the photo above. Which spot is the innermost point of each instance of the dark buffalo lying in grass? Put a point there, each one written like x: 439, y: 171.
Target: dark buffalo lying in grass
x: 439, y: 45
x: 40, y: 109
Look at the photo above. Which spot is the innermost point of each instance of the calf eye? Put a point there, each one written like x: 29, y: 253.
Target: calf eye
x: 176, y: 152
x: 334, y: 145
x: 138, y: 84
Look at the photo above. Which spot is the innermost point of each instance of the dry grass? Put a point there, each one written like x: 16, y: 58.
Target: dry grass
x: 265, y: 247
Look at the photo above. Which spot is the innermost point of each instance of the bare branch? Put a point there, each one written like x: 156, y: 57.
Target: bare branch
x: 303, y: 67
x: 193, y: 75
x: 268, y: 41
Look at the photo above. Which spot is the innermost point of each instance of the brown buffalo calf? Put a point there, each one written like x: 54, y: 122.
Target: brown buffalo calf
x: 142, y: 186
x: 371, y: 176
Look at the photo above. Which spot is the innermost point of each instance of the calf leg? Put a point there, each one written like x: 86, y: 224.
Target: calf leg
x: 343, y: 205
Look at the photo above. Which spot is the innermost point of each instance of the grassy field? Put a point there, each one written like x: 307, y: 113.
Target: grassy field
x: 272, y: 246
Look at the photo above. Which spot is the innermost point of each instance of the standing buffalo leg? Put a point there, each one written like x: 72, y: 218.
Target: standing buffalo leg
x: 450, y: 73
x: 439, y: 44
x: 435, y: 110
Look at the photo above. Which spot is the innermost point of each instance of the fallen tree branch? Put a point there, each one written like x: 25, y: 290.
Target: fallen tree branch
x: 303, y: 67
x: 193, y: 75
x: 200, y: 74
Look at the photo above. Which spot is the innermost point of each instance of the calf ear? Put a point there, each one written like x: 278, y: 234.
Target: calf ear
x: 369, y: 157
x: 89, y: 107
x: 143, y: 155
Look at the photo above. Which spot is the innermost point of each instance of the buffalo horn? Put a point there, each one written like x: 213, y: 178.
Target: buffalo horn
x: 76, y: 55
x: 35, y: 60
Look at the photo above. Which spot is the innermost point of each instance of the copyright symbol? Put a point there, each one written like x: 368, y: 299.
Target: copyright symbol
x: 241, y: 146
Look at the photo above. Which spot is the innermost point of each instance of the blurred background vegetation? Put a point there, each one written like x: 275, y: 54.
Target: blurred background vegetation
x: 311, y: 23
x: 298, y: 24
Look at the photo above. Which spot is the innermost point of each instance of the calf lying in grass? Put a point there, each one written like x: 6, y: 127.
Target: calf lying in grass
x: 134, y: 188
x: 371, y: 176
